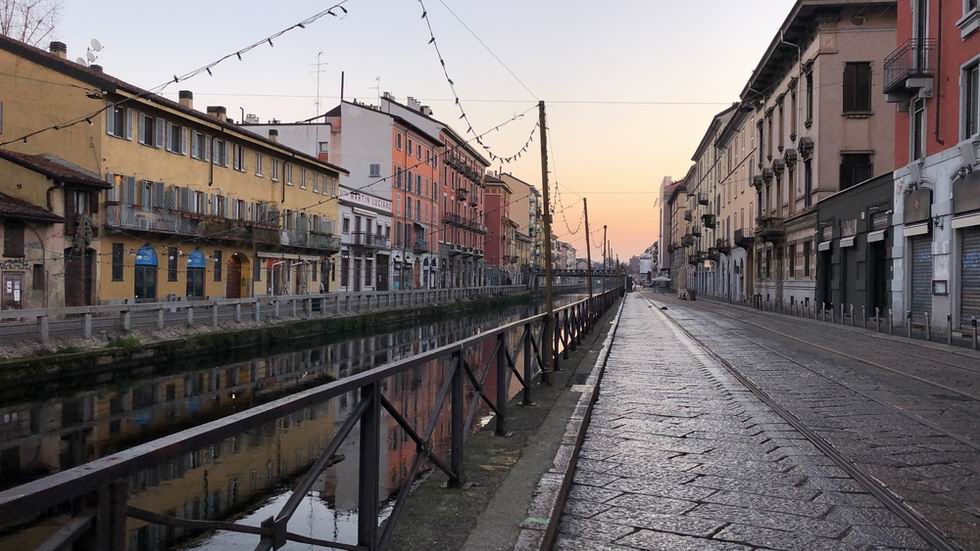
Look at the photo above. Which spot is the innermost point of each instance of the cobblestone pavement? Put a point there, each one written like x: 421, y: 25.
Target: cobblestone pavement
x: 905, y: 412
x: 679, y: 455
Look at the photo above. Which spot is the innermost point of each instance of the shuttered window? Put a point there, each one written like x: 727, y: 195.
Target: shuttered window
x: 857, y: 87
x: 13, y: 239
x: 117, y: 261
x: 172, y: 256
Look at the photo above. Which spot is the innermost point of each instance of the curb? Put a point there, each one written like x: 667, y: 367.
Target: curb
x: 540, y: 526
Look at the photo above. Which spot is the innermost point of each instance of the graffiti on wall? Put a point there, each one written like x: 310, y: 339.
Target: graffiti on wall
x: 13, y: 264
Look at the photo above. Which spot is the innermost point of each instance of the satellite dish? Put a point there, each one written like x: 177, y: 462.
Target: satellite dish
x: 80, y: 61
x: 90, y: 56
x: 96, y: 45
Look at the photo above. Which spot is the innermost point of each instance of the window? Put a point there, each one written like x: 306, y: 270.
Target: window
x: 398, y: 141
x: 410, y: 147
x: 345, y: 271
x: 971, y: 99
x: 217, y: 265
x: 175, y: 138
x: 793, y: 115
x: 346, y: 225
x: 119, y: 122
x: 761, y: 142
x: 375, y: 171
x: 857, y: 87
x: 918, y: 128
x: 117, y: 261
x: 791, y: 253
x: 275, y: 170
x: 807, y: 251
x: 37, y: 277
x: 808, y: 183
x: 13, y: 239
x: 418, y: 184
x: 239, y: 158
x: 809, y: 98
x: 316, y: 183
x: 258, y: 164
x: 220, y: 151
x: 854, y: 169
x: 288, y: 168
x: 172, y: 256
x: 199, y: 147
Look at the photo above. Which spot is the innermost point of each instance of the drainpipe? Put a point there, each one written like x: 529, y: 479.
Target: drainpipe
x: 938, y: 70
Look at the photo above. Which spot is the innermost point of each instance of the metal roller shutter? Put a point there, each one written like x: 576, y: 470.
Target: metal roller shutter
x: 921, y: 257
x: 970, y: 276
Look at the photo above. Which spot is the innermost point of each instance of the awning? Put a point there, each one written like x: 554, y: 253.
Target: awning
x: 846, y: 242
x: 966, y: 221
x: 876, y: 236
x: 918, y: 229
x: 825, y: 246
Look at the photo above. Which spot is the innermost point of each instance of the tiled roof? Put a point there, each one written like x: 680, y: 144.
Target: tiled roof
x: 11, y: 207
x: 55, y: 168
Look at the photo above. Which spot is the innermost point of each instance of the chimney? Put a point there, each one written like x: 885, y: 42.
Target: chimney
x: 218, y: 112
x: 414, y: 104
x: 426, y: 110
x: 186, y: 98
x: 96, y: 68
x: 59, y: 49
x: 274, y: 135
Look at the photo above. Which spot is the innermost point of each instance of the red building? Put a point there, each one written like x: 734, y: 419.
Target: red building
x: 500, y: 231
x: 933, y: 77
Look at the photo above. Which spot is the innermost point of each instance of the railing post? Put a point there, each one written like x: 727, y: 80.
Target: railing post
x: 528, y: 366
x: 258, y: 309
x: 87, y: 325
x: 214, y: 314
x: 500, y: 427
x: 44, y: 328
x: 160, y: 319
x: 864, y: 317
x: 908, y: 323
x: 238, y: 312
x: 126, y: 320
x: 949, y: 329
x: 110, y: 520
x: 308, y: 307
x: 975, y: 343
x: 275, y: 307
x: 891, y: 322
x: 368, y: 470
x: 877, y: 319
x: 457, y: 420
x: 293, y: 301
x: 190, y: 316
x: 928, y: 327
x: 556, y: 339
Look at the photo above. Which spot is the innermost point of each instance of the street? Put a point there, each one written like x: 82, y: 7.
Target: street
x: 719, y: 427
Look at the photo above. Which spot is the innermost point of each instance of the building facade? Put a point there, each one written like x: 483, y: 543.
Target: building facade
x: 932, y: 79
x: 463, y: 230
x: 820, y: 129
x: 525, y: 210
x: 197, y: 206
x: 365, y: 238
x: 501, y: 232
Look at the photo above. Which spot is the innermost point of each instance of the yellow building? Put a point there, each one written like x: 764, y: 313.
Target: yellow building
x: 198, y: 207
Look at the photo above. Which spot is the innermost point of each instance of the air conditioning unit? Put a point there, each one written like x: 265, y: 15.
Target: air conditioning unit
x: 142, y: 223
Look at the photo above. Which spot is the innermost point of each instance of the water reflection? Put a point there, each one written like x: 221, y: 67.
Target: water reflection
x: 245, y: 475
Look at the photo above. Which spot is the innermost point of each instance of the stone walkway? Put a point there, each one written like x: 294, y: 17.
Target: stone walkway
x: 679, y: 455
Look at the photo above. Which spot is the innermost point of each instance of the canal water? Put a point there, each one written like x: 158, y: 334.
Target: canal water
x: 246, y: 477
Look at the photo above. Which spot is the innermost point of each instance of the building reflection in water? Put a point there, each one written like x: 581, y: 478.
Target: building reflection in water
x: 246, y: 475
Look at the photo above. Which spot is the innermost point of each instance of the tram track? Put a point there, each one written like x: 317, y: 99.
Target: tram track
x: 892, y: 501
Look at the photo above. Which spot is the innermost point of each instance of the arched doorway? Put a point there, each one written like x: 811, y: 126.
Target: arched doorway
x: 145, y: 286
x: 195, y: 275
x: 79, y: 275
x: 233, y: 283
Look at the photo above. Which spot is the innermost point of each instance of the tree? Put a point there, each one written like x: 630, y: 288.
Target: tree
x: 30, y: 21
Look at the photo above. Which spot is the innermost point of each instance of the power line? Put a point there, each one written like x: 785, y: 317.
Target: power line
x: 87, y: 118
x: 583, y: 101
x: 484, y: 44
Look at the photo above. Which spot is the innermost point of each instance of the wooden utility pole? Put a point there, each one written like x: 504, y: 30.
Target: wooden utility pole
x: 588, y: 247
x: 605, y: 249
x: 549, y: 300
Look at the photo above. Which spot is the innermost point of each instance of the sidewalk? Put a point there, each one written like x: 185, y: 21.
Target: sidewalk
x: 679, y: 456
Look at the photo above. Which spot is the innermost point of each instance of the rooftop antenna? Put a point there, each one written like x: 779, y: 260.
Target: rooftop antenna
x: 377, y: 86
x: 93, y: 48
x: 319, y: 71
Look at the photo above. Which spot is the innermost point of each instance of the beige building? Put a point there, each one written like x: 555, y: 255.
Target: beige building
x: 821, y: 126
x: 525, y: 210
x: 196, y: 206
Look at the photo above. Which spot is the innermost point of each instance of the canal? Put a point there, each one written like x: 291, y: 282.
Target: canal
x: 247, y: 476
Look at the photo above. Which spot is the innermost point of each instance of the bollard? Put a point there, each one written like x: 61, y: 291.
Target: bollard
x: 87, y: 325
x: 214, y: 314
x: 500, y: 428
x: 45, y: 330
x: 975, y: 344
x: 908, y: 322
x: 891, y: 322
x: 258, y: 310
x: 295, y: 308
x: 850, y: 312
x: 238, y: 312
x: 864, y: 317
x: 877, y: 319
x: 160, y: 318
x: 949, y: 329
x: 928, y: 327
x: 190, y: 316
x: 126, y: 320
x: 275, y: 307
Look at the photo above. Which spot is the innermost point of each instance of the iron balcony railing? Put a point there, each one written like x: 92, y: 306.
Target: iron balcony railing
x: 420, y: 246
x: 744, y: 238
x: 770, y: 229
x: 369, y: 240
x: 92, y: 501
x: 915, y: 58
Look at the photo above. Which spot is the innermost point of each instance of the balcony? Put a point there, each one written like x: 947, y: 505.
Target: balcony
x: 723, y: 246
x: 909, y: 69
x: 367, y: 240
x: 713, y: 254
x: 454, y: 249
x: 770, y: 229
x: 309, y: 240
x: 695, y: 258
x: 744, y: 239
x: 709, y: 221
x: 478, y: 253
x: 452, y: 219
x: 130, y: 217
x: 462, y: 193
x: 702, y: 198
x: 687, y: 240
x: 420, y: 246
x: 695, y: 231
x: 688, y: 215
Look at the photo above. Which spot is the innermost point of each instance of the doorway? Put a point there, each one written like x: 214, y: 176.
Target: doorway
x: 879, y: 277
x: 826, y: 275
x: 233, y: 282
x: 195, y: 275
x: 13, y: 287
x: 145, y: 285
x: 79, y: 274
x: 381, y: 273
x: 357, y: 272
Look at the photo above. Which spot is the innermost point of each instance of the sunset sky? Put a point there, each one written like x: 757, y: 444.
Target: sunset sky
x: 630, y: 87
